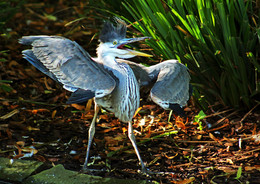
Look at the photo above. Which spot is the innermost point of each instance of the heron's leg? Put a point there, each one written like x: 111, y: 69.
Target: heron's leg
x: 91, y: 133
x: 132, y: 139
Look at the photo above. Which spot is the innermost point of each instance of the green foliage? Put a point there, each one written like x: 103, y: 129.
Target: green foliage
x: 198, y: 119
x: 218, y: 40
x: 5, y: 86
x: 239, y: 173
x: 3, y: 53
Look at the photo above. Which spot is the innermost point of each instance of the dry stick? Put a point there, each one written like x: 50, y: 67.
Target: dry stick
x: 251, y: 151
x: 257, y: 149
x: 33, y: 102
x: 10, y: 114
x: 218, y: 113
x: 221, y: 120
x: 33, y: 12
x: 245, y: 116
x: 110, y: 154
x: 218, y: 128
x: 196, y: 142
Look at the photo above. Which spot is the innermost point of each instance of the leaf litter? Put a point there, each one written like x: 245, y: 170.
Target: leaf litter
x: 36, y: 123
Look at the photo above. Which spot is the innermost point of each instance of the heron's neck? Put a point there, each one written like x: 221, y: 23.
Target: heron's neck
x: 109, y: 62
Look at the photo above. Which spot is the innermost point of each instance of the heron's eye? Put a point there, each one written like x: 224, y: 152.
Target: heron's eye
x: 114, y: 42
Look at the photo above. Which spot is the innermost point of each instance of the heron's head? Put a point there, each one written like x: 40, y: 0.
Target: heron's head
x: 113, y: 42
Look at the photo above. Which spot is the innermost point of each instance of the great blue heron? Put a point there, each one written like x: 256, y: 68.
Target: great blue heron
x: 114, y: 83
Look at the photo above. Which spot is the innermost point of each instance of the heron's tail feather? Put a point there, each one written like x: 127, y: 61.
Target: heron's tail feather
x: 80, y: 96
x: 177, y: 109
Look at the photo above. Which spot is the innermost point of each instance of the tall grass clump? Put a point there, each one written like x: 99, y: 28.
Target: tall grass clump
x: 217, y: 39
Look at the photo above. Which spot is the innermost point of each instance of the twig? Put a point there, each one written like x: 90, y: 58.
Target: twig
x: 215, y: 129
x: 257, y: 149
x: 241, y: 154
x: 218, y: 113
x: 110, y: 154
x: 34, y: 13
x: 245, y: 116
x: 221, y: 120
x: 196, y: 142
x: 29, y: 101
x: 10, y: 114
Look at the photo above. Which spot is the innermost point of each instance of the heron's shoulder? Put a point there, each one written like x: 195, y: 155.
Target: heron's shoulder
x: 173, y: 62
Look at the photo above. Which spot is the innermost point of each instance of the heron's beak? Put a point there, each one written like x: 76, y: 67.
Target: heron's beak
x: 137, y: 53
x: 126, y: 41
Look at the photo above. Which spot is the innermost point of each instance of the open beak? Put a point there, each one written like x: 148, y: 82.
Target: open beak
x: 126, y: 41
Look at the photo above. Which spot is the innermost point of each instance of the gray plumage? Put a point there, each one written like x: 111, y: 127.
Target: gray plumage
x: 110, y: 33
x: 169, y: 81
x: 68, y: 63
x: 114, y: 83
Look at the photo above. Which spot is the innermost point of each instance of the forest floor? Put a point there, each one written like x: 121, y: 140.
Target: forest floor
x: 223, y: 147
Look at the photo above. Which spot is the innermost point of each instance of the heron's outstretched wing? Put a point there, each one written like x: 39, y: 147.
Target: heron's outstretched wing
x: 140, y: 72
x: 29, y: 56
x: 68, y: 63
x: 169, y: 82
x: 171, y: 89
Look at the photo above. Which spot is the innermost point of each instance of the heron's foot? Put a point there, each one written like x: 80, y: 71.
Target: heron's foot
x: 146, y: 171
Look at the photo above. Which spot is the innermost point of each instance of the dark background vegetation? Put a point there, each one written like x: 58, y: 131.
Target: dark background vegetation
x: 217, y: 40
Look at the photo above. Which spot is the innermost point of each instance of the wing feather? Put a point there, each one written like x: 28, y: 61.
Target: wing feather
x: 169, y: 82
x: 68, y: 63
x: 172, y: 84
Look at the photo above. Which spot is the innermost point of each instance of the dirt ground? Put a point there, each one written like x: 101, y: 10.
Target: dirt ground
x: 34, y: 118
